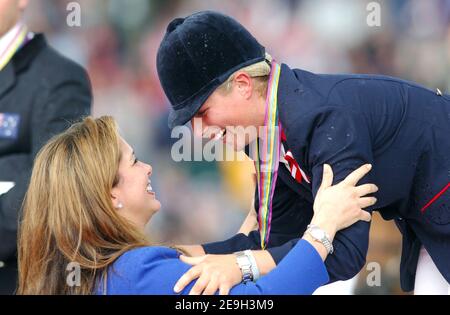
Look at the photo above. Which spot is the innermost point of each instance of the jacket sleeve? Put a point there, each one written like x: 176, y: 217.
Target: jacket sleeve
x: 291, y: 215
x: 154, y: 271
x: 236, y: 243
x: 341, y: 139
x: 65, y: 102
x: 300, y: 272
x: 240, y: 242
x: 15, y: 168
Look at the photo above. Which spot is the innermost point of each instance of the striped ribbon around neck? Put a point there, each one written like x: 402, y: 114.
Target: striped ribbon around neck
x: 268, y: 156
x: 17, y: 41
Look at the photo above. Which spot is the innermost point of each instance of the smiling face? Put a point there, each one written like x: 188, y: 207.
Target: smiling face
x: 237, y: 113
x: 132, y: 196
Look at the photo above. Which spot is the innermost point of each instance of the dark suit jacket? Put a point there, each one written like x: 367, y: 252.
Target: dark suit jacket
x: 347, y: 120
x: 47, y: 92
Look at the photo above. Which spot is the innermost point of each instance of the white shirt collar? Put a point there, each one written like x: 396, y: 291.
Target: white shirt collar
x: 6, y: 39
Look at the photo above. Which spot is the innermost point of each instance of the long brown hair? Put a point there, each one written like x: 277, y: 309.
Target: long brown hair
x: 68, y: 215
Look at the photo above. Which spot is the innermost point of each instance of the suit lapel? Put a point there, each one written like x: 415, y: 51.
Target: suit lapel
x: 21, y: 60
x: 7, y: 78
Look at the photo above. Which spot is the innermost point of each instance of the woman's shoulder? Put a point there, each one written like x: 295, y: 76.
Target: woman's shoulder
x: 145, y: 254
x: 145, y: 270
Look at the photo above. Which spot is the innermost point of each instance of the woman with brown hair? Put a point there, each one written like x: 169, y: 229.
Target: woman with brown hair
x: 89, y: 199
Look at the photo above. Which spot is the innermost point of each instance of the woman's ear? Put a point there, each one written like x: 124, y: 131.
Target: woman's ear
x: 115, y: 198
x: 244, y: 84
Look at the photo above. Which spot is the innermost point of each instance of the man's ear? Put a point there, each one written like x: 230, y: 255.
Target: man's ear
x: 244, y: 84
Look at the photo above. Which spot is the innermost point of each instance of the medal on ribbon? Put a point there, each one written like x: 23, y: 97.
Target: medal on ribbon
x: 268, y: 156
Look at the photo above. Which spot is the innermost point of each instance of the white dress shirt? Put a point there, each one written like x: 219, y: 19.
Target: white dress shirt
x: 6, y: 39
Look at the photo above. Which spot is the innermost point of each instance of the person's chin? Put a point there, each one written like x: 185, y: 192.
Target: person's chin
x: 155, y: 206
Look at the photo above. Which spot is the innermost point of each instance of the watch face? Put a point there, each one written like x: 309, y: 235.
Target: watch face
x: 317, y: 233
x: 243, y: 262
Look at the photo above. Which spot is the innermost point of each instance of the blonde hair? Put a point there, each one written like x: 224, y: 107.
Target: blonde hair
x: 260, y: 71
x: 68, y: 215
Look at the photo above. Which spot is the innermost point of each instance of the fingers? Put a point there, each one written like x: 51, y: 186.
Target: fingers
x: 224, y: 290
x: 212, y: 287
x: 192, y: 260
x: 365, y: 216
x: 366, y: 202
x: 353, y: 178
x: 366, y: 189
x: 200, y: 285
x: 327, y: 177
x: 185, y: 279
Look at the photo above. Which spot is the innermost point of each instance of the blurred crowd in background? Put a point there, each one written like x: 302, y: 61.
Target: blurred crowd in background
x: 117, y: 43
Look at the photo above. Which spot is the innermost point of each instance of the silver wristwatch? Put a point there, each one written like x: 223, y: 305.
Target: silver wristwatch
x: 245, y: 265
x: 321, y: 236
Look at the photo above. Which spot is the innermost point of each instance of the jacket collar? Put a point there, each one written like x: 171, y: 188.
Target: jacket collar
x: 21, y: 60
x: 298, y: 99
